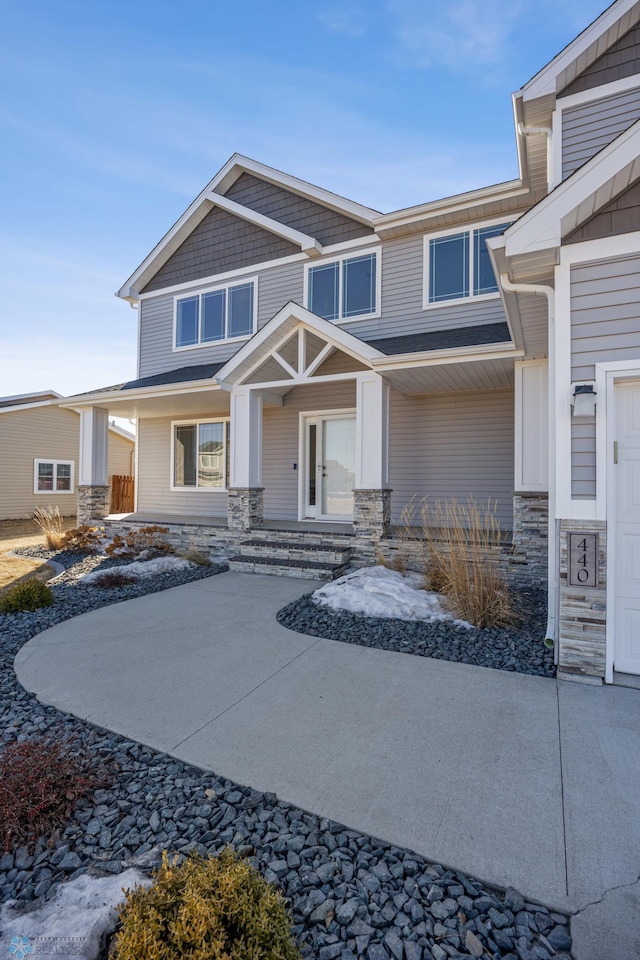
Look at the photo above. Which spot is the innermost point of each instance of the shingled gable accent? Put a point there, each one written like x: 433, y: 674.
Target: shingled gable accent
x: 219, y: 243
x: 619, y: 61
x: 620, y: 215
x: 325, y: 225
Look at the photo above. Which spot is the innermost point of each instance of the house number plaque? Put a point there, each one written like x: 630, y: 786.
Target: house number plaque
x: 583, y: 559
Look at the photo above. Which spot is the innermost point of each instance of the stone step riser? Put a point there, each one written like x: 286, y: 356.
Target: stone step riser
x: 286, y: 551
x: 253, y: 565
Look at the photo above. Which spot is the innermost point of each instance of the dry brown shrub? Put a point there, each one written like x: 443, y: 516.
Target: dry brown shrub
x: 83, y: 539
x: 145, y: 540
x: 462, y: 548
x: 50, y: 522
x: 110, y: 579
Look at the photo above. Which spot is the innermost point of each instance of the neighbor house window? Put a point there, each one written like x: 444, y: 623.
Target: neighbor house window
x: 344, y: 288
x: 53, y: 476
x: 225, y: 313
x: 458, y: 264
x: 201, y: 454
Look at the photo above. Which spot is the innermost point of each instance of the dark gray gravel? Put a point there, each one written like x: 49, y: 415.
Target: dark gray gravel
x: 351, y: 896
x: 519, y: 649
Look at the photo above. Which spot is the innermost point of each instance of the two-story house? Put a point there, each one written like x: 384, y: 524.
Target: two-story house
x: 307, y: 365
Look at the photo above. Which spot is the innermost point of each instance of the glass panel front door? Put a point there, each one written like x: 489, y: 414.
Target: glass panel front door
x: 338, y: 466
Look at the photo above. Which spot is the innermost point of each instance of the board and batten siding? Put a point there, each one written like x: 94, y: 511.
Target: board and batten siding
x: 45, y: 433
x: 605, y: 325
x: 280, y: 442
x: 155, y: 495
x: 452, y: 446
x: 588, y: 128
x: 401, y: 309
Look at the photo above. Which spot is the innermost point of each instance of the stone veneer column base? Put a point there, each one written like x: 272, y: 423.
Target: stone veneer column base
x: 93, y: 503
x: 245, y: 508
x: 583, y: 613
x: 372, y: 513
x: 530, y: 559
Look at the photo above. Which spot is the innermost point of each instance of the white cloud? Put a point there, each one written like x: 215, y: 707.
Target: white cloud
x: 349, y: 20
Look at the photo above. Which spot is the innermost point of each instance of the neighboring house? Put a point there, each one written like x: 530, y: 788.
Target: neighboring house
x: 304, y: 359
x: 39, y: 462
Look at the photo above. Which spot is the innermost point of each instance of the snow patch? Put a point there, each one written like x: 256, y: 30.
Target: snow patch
x: 143, y: 568
x: 84, y: 908
x: 380, y: 592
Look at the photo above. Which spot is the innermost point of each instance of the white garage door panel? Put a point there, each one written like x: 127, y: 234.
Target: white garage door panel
x: 628, y: 631
x: 627, y: 529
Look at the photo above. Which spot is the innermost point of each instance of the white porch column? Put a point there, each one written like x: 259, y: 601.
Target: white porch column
x: 372, y: 496
x: 93, y: 489
x: 245, y: 505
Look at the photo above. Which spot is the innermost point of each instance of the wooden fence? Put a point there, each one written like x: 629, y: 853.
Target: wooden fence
x: 122, y: 494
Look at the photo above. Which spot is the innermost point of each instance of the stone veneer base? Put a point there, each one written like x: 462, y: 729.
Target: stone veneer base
x: 371, y: 513
x: 93, y: 503
x: 245, y: 508
x: 530, y: 557
x: 583, y: 612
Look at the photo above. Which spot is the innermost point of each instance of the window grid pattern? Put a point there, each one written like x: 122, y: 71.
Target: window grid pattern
x: 215, y: 315
x: 460, y: 265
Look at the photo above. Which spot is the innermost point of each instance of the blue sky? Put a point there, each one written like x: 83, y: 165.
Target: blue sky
x: 115, y: 115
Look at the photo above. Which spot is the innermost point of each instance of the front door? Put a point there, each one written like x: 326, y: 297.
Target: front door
x: 330, y: 456
x: 627, y: 529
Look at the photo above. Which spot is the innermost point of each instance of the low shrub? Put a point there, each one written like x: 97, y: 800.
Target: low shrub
x: 41, y: 779
x: 83, y: 539
x: 215, y: 908
x: 50, y: 522
x: 193, y: 555
x: 143, y: 543
x: 27, y: 596
x: 110, y: 579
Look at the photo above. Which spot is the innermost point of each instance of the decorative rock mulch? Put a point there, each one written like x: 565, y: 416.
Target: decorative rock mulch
x: 350, y: 896
x: 519, y: 649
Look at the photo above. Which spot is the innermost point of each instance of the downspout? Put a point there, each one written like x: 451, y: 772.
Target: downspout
x: 526, y: 131
x: 543, y: 290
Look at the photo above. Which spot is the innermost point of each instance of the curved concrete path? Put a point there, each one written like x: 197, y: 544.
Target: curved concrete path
x: 513, y: 779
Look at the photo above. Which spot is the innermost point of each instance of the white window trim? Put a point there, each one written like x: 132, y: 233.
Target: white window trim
x: 196, y: 489
x: 452, y: 232
x: 200, y: 292
x: 350, y: 255
x: 54, y: 492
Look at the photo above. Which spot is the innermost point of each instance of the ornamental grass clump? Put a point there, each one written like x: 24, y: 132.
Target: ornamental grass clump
x: 207, y: 908
x: 26, y: 597
x: 50, y: 522
x: 462, y: 547
x: 41, y: 780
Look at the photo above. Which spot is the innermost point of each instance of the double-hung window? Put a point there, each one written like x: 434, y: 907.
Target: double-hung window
x: 458, y: 265
x: 201, y: 454
x: 53, y: 476
x: 225, y: 313
x: 345, y: 288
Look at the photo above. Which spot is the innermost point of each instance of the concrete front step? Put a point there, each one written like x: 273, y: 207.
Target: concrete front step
x: 282, y: 567
x: 324, y: 553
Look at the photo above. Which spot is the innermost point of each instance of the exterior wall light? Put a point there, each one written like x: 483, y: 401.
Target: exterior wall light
x: 584, y: 400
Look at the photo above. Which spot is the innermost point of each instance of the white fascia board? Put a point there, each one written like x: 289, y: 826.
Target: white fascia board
x: 121, y: 432
x: 139, y: 393
x: 291, y: 310
x: 37, y: 397
x: 461, y: 201
x: 309, y: 245
x: 546, y: 80
x: 29, y: 406
x: 238, y: 164
x: 431, y: 358
x: 541, y: 227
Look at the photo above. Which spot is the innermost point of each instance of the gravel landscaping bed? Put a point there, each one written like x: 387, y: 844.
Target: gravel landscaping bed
x: 350, y: 896
x: 519, y: 649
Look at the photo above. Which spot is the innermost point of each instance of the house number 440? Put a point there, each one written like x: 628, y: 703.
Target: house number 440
x: 583, y: 559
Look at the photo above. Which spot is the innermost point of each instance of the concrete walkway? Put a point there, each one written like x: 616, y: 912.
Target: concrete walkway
x: 513, y: 779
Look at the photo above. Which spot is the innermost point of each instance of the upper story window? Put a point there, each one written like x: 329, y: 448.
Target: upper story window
x: 458, y: 265
x: 344, y: 289
x: 53, y: 476
x: 225, y: 313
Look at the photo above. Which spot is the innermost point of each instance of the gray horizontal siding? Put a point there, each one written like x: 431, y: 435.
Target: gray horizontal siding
x: 280, y: 450
x: 453, y: 446
x: 219, y: 243
x: 620, y: 60
x: 327, y: 226
x: 402, y: 311
x: 589, y: 128
x: 605, y: 326
x: 154, y: 480
x: 275, y: 288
